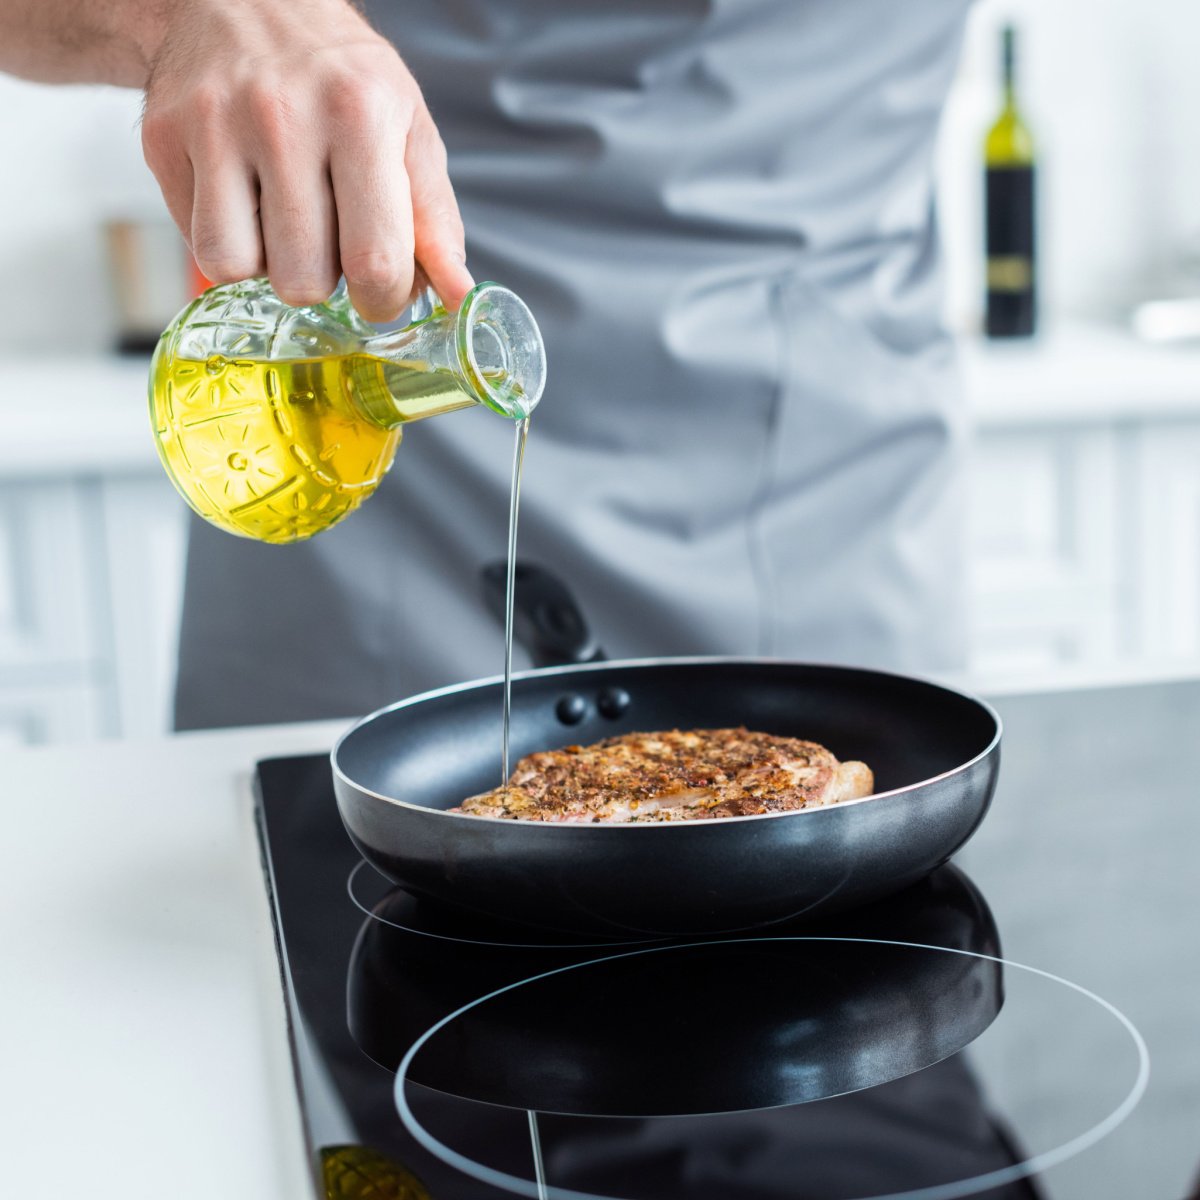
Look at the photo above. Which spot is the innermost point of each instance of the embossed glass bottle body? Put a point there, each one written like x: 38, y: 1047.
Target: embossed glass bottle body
x: 275, y: 423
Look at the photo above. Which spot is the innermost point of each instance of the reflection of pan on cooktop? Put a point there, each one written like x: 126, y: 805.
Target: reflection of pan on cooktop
x: 680, y: 1028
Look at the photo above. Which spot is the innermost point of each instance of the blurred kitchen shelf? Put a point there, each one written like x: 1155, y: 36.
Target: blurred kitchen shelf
x: 73, y: 414
x: 1079, y: 372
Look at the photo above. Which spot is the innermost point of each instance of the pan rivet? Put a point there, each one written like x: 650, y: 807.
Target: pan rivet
x: 570, y: 710
x: 612, y: 702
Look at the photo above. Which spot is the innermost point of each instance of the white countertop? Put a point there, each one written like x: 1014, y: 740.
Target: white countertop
x: 88, y: 413
x: 75, y: 416
x: 1079, y: 373
x: 142, y: 1035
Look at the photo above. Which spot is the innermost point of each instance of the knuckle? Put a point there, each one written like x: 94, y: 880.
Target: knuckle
x: 356, y: 101
x: 446, y: 220
x: 222, y: 257
x: 207, y: 102
x: 428, y: 141
x: 290, y: 216
x: 159, y: 138
x: 272, y: 115
x: 379, y: 268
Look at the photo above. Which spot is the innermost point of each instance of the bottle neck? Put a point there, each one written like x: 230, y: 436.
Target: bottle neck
x: 490, y: 353
x: 1008, y: 67
x: 393, y: 389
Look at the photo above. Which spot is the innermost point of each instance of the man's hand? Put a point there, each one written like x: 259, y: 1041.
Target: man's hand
x: 286, y: 135
x: 289, y: 139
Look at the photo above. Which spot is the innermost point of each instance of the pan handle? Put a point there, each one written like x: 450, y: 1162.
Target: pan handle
x: 546, y: 619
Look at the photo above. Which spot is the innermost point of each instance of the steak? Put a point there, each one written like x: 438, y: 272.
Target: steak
x: 678, y: 775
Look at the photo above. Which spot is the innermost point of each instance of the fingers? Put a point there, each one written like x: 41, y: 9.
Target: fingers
x: 374, y: 217
x: 299, y: 233
x: 345, y: 174
x: 167, y: 158
x: 226, y: 237
x: 438, y: 240
x: 296, y: 209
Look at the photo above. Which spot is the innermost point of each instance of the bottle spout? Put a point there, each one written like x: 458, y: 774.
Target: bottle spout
x: 500, y: 350
x: 490, y: 352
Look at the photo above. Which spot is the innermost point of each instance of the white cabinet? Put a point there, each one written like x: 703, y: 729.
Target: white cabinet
x: 1085, y: 507
x: 90, y: 576
x: 1165, y: 552
x: 55, y: 665
x: 145, y: 538
x: 1044, y: 561
x: 48, y: 535
x: 91, y: 552
x: 32, y: 713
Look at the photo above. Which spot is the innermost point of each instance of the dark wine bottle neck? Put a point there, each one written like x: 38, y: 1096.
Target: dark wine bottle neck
x: 1009, y: 61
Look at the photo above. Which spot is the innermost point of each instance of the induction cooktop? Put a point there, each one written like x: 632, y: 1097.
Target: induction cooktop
x: 442, y: 1055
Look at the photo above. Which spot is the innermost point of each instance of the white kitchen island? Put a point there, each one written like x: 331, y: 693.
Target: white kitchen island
x: 143, y: 1049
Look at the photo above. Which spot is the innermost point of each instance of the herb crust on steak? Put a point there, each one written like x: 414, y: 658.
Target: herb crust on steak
x: 676, y: 775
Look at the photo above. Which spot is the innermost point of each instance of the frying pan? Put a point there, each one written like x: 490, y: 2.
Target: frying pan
x: 934, y: 751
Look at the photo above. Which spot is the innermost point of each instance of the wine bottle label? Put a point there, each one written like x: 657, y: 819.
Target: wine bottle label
x: 1009, y: 273
x: 1011, y: 263
x: 1010, y: 248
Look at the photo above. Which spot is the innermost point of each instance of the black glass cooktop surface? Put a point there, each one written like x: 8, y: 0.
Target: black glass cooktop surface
x: 895, y: 1052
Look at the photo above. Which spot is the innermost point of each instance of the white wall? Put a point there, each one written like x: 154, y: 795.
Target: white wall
x: 72, y: 159
x: 1112, y: 92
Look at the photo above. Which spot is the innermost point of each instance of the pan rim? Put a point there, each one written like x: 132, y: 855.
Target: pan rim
x: 681, y: 661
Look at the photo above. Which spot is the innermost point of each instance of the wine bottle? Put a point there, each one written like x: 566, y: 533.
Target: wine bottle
x: 1009, y: 218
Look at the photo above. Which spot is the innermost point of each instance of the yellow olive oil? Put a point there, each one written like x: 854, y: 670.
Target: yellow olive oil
x: 510, y: 589
x: 279, y: 450
x: 359, y: 1173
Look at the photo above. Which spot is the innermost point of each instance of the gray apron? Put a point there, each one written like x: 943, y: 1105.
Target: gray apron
x: 721, y: 213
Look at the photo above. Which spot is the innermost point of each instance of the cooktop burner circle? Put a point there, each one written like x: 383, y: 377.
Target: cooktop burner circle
x: 537, y: 1187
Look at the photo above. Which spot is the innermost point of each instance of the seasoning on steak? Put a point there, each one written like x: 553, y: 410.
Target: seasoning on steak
x: 679, y: 775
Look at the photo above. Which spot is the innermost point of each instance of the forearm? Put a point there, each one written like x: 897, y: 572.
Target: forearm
x: 81, y: 41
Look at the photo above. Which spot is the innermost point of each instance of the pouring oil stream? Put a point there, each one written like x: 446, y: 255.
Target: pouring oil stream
x: 539, y: 1169
x: 514, y: 501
